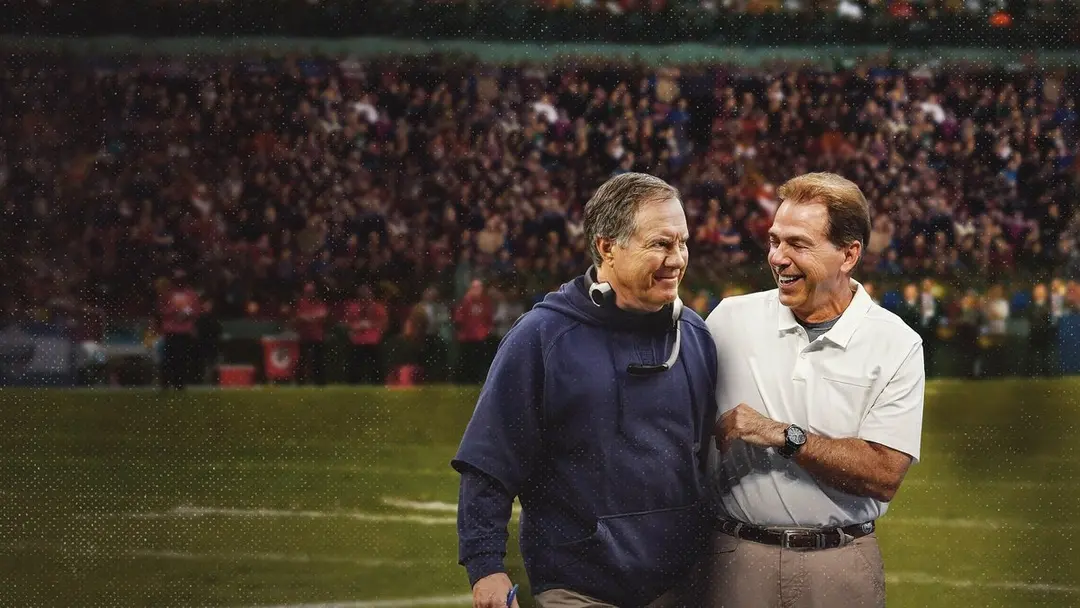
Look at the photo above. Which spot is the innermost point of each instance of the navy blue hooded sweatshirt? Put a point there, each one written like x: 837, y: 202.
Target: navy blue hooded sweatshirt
x: 609, y: 467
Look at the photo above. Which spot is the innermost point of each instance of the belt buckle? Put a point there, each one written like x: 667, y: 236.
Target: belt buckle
x: 787, y: 536
x: 821, y: 539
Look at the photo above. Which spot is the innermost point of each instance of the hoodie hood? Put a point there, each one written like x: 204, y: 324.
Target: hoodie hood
x: 572, y: 300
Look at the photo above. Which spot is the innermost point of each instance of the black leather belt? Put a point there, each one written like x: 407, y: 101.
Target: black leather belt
x: 796, y: 538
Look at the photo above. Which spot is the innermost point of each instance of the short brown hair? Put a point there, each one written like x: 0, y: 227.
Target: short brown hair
x: 849, y: 213
x: 611, y: 211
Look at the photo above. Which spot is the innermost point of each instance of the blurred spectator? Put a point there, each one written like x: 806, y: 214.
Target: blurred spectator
x: 366, y: 319
x: 968, y: 328
x: 1072, y: 296
x: 474, y: 319
x: 1042, y: 336
x: 438, y: 332
x: 208, y: 328
x: 311, y: 314
x: 996, y: 311
x: 908, y: 310
x: 180, y: 350
x: 702, y: 303
x: 405, y: 352
x: 996, y: 315
x: 930, y: 316
x: 1058, y: 305
x: 507, y: 311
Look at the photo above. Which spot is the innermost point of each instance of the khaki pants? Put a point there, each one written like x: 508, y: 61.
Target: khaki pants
x: 564, y: 598
x: 561, y: 598
x: 738, y: 573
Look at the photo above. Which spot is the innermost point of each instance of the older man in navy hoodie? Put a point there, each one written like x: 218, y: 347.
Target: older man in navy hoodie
x: 597, y: 415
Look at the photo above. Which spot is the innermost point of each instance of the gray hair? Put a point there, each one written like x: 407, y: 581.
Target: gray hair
x: 611, y: 211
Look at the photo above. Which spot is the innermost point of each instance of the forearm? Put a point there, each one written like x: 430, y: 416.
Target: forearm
x: 850, y: 465
x: 484, y: 508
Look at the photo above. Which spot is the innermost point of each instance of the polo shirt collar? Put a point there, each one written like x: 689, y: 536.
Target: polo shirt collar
x: 845, y: 326
x: 786, y: 319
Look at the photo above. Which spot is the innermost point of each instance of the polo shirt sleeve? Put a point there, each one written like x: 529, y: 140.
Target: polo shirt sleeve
x: 895, y: 419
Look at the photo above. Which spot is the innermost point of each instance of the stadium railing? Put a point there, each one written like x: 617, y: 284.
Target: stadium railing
x: 243, y: 344
x: 39, y: 354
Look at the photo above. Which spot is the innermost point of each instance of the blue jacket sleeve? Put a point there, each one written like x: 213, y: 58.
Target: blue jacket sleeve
x: 484, y: 508
x: 499, y: 448
x: 503, y: 437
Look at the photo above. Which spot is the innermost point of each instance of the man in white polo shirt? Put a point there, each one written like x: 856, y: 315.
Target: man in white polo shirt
x: 820, y: 397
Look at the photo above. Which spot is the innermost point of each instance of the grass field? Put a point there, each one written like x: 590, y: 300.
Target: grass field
x: 288, y: 497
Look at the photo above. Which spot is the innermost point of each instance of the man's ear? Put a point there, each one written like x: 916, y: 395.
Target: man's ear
x: 605, y: 247
x: 852, y: 254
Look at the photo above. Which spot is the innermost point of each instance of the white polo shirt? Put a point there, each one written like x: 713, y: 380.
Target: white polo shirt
x: 863, y: 378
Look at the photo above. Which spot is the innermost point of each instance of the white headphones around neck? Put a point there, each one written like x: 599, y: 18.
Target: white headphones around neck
x: 602, y: 294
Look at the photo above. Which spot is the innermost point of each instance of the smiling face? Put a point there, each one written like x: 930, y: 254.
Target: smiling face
x: 813, y: 274
x: 646, y: 269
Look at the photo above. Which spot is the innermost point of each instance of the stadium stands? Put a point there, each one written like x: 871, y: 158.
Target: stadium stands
x: 256, y: 175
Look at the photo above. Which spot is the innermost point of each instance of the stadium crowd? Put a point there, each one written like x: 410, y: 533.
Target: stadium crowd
x: 434, y: 200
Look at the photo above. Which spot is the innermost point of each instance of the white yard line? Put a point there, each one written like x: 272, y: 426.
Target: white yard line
x: 995, y: 483
x: 283, y: 557
x: 892, y: 578
x: 921, y: 578
x: 450, y: 510
x: 896, y: 578
x: 276, y: 513
x: 942, y: 522
x: 104, y: 461
x: 318, y: 467
x: 409, y: 602
x: 430, y: 505
x: 292, y: 558
x: 978, y: 524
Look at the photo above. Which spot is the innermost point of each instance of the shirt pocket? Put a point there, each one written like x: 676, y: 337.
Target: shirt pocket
x: 840, y: 402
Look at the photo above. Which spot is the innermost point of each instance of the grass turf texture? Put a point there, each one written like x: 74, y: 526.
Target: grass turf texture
x: 292, y: 496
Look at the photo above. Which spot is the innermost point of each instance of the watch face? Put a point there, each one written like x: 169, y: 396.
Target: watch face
x: 796, y: 435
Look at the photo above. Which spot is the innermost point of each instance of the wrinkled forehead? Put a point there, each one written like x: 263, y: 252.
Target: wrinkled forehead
x: 661, y: 219
x: 800, y: 220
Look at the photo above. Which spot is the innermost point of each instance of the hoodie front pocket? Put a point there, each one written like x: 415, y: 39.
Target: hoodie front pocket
x: 638, y: 556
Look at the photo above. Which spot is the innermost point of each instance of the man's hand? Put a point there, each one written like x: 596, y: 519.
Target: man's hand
x: 491, y: 591
x: 744, y: 422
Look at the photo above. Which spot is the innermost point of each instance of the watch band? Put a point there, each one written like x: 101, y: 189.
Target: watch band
x: 788, y: 449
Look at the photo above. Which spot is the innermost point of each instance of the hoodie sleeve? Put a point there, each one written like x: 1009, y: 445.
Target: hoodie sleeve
x: 499, y: 448
x: 503, y: 437
x: 484, y: 508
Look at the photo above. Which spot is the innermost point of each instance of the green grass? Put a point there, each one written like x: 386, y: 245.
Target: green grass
x: 278, y: 496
